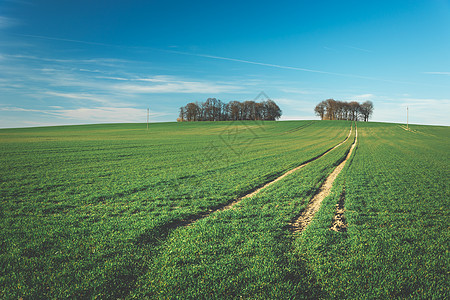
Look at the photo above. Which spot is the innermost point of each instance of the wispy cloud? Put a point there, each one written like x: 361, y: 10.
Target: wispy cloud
x: 67, y: 40
x: 71, y: 91
x: 94, y: 79
x: 296, y: 91
x: 363, y: 97
x: 437, y: 73
x: 265, y: 64
x: 107, y: 114
x: 289, y: 67
x: 7, y: 22
x: 92, y: 115
x: 440, y: 104
x: 359, y: 49
x: 95, y: 61
x: 20, y: 109
x: 254, y: 62
x: 80, y: 96
x: 165, y: 84
x: 421, y: 110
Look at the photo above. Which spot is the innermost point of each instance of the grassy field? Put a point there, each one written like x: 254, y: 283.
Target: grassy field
x: 397, y: 201
x: 93, y: 211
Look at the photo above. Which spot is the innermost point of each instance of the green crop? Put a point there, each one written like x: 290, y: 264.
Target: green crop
x: 100, y: 211
x: 83, y: 207
x: 397, y: 211
x: 246, y: 251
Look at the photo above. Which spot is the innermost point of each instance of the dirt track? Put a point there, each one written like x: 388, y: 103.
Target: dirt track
x: 314, y: 204
x: 230, y: 205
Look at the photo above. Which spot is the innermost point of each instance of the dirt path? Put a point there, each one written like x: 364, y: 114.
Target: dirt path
x: 230, y: 205
x: 313, y: 206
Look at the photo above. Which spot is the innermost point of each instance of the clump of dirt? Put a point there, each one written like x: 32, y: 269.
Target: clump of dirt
x: 339, y: 224
x: 407, y: 128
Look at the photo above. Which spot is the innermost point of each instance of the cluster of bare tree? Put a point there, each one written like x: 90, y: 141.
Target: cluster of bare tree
x: 331, y: 109
x: 216, y: 110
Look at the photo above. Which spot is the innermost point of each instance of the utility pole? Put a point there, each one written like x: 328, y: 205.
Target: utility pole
x: 148, y: 115
x: 407, y: 118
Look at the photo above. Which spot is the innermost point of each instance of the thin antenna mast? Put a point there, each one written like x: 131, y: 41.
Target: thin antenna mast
x: 407, y: 118
x: 148, y: 115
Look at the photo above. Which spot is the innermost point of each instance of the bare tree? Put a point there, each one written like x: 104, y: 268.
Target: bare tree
x: 354, y: 110
x: 193, y: 112
x: 273, y: 110
x: 182, y: 115
x: 366, y: 110
x: 215, y: 110
x: 320, y: 109
x: 331, y: 109
x: 330, y: 113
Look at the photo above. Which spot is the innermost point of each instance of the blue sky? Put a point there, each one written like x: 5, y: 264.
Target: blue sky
x: 79, y: 62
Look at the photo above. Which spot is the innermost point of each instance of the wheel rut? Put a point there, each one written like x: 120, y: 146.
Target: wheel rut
x: 306, y: 216
x: 160, y: 233
x: 190, y: 220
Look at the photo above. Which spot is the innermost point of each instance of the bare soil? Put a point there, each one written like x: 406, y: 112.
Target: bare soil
x: 339, y: 224
x: 407, y: 128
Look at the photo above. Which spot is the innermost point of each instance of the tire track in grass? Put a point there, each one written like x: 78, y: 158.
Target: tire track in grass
x: 306, y: 216
x: 259, y: 189
x: 298, y: 128
x: 159, y: 233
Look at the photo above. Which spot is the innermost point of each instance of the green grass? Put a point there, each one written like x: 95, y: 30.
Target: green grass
x: 83, y: 207
x: 87, y: 211
x: 242, y: 252
x: 397, y: 209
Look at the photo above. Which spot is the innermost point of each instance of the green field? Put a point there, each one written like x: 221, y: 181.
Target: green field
x: 99, y: 211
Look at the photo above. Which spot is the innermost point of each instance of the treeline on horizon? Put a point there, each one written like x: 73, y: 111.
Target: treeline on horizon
x: 331, y: 109
x: 216, y: 110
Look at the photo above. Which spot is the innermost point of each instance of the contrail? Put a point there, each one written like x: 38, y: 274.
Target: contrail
x: 219, y: 58
x: 65, y: 40
x: 253, y: 62
x: 284, y: 67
